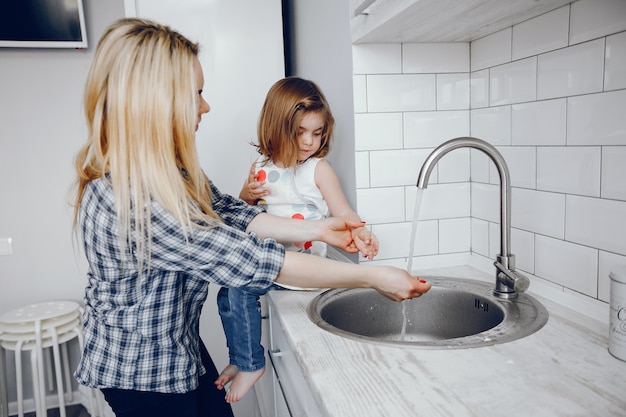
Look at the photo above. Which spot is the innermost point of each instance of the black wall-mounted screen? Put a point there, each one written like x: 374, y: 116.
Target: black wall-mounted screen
x: 42, y: 24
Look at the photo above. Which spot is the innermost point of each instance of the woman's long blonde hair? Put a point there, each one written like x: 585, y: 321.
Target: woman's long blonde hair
x: 141, y: 105
x: 286, y: 103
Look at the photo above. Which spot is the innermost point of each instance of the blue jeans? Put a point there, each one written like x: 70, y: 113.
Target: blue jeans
x: 240, y: 312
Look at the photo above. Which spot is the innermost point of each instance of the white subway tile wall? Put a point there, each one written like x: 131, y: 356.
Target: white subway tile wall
x: 454, y: 235
x: 455, y: 167
x: 376, y: 131
x: 613, y: 178
x: 550, y: 93
x: 607, y: 261
x: 371, y: 200
x: 615, y: 62
x: 410, y: 92
x: 545, y: 33
x: 494, y: 240
x: 485, y: 202
x: 569, y: 169
x: 479, y: 89
x: 481, y: 166
x: 591, y: 19
x: 492, y: 124
x: 362, y: 169
x: 597, y: 119
x: 522, y: 163
x: 571, y: 71
x: 430, y: 128
x: 480, y: 237
x: 453, y: 91
x: 538, y: 212
x: 582, y: 262
x: 524, y: 244
x: 441, y: 201
x: 397, y: 167
x: 596, y: 222
x: 515, y: 82
x: 539, y: 123
x: 492, y: 50
x: 385, y: 58
x: 435, y: 58
x: 359, y: 90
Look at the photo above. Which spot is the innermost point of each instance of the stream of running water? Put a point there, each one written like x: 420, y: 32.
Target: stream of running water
x: 416, y: 210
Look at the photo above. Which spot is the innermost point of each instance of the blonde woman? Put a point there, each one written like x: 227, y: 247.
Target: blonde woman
x: 156, y: 231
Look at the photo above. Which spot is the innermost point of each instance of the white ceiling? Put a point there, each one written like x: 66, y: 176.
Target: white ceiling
x: 407, y: 21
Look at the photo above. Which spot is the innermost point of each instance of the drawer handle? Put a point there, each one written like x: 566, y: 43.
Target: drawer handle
x: 277, y: 353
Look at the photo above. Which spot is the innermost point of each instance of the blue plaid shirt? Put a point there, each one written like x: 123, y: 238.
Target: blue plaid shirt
x: 145, y: 336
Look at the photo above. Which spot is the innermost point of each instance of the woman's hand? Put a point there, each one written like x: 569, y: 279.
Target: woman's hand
x: 338, y: 232
x: 397, y: 284
x: 365, y: 242
x: 254, y: 187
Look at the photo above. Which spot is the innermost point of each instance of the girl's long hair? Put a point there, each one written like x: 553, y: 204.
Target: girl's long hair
x: 141, y: 106
x: 286, y: 103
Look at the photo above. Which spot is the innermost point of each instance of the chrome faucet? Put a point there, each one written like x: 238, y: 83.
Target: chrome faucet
x: 508, y: 281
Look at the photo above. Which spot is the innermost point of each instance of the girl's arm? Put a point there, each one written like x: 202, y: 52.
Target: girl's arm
x: 328, y: 183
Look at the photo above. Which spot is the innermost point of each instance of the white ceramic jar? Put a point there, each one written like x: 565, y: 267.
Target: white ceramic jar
x: 617, y: 325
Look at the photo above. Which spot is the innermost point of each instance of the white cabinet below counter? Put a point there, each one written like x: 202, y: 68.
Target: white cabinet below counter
x: 282, y: 390
x: 564, y: 369
x: 291, y: 381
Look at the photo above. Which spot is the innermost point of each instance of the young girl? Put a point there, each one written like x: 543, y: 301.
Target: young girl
x: 291, y: 180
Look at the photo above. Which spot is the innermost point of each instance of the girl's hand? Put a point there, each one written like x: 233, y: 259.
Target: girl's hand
x: 365, y: 242
x: 254, y: 187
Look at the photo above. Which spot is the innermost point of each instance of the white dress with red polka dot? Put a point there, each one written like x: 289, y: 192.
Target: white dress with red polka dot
x: 293, y: 193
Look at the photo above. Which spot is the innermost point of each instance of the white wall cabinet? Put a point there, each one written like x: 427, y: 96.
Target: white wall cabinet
x: 415, y: 21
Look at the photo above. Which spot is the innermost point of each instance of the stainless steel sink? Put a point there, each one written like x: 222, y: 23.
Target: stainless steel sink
x: 455, y: 313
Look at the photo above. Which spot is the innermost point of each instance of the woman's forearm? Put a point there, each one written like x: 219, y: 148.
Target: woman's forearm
x: 332, y: 230
x: 310, y: 271
x: 283, y: 229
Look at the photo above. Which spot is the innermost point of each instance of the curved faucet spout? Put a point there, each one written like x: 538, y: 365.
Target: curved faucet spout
x: 506, y: 284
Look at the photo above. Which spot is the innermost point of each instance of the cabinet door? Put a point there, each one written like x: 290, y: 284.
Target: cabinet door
x: 265, y: 387
x: 292, y: 385
x: 281, y: 408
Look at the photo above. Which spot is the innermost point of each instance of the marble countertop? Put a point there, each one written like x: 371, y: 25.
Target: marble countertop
x: 564, y: 369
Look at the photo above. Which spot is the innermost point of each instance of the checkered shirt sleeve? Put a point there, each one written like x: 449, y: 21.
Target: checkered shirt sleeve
x: 142, y: 333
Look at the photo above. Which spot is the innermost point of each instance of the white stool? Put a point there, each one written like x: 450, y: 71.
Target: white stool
x: 4, y: 398
x: 34, y: 328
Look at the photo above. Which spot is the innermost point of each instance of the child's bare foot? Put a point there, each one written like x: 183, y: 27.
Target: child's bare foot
x: 242, y: 383
x: 226, y: 376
